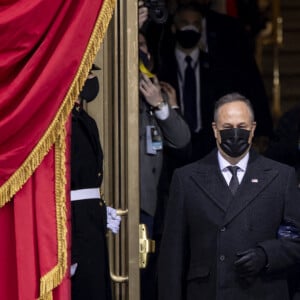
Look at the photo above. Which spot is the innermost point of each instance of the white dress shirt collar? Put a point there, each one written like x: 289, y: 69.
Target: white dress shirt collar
x: 242, y: 164
x: 180, y: 56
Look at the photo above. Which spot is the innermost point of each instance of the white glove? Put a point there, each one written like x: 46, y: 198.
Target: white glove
x: 73, y: 269
x: 113, y: 220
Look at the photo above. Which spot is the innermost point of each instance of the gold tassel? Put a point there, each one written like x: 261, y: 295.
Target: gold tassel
x: 49, y: 296
x: 52, y: 279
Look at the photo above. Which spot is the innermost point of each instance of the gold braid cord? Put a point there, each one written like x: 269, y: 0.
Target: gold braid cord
x: 56, y: 135
x: 18, y: 179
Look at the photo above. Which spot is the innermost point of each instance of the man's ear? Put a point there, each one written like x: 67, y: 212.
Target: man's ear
x: 214, y: 127
x: 251, y: 136
x: 253, y: 129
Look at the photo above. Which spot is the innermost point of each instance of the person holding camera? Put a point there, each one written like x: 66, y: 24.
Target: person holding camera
x: 160, y: 126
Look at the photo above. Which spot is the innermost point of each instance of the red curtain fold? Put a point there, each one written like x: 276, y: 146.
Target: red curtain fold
x: 46, y: 50
x: 29, y: 234
x: 42, y: 46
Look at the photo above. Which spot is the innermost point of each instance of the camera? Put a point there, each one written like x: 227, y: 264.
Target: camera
x: 157, y: 10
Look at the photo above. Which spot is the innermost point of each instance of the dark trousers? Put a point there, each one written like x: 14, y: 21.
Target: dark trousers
x: 89, y: 249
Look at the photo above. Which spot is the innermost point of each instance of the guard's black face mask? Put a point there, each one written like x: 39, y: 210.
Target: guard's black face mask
x: 234, y: 141
x: 187, y: 39
x: 90, y: 89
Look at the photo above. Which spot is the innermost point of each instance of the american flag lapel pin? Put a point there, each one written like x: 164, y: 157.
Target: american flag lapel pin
x: 254, y: 180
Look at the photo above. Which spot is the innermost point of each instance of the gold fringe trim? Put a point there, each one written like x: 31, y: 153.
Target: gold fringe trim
x: 48, y: 297
x: 54, y: 277
x: 18, y: 179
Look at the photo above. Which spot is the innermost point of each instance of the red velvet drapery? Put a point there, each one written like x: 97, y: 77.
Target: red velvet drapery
x: 46, y: 50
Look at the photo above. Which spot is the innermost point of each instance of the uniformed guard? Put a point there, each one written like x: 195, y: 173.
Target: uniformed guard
x: 90, y: 266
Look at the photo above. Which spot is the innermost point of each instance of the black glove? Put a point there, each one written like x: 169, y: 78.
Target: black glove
x: 250, y: 262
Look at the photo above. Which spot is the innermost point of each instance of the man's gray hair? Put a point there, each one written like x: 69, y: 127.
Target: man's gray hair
x: 229, y: 98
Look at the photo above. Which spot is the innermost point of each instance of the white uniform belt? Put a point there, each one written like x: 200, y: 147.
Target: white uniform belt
x: 83, y: 194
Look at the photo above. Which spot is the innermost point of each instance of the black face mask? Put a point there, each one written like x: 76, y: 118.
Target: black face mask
x: 90, y: 89
x: 234, y: 141
x: 187, y: 39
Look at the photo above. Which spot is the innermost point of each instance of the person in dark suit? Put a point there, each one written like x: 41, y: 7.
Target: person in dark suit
x: 285, y: 148
x: 160, y: 126
x: 222, y: 62
x: 220, y: 237
x: 90, y: 278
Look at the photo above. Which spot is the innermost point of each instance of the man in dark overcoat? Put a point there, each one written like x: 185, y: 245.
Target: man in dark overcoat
x: 220, y: 238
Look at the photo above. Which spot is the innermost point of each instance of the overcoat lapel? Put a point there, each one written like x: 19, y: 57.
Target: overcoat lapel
x: 210, y: 180
x: 256, y: 179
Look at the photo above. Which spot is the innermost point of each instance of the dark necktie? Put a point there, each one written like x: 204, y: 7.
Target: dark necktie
x: 234, y: 182
x: 189, y: 95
